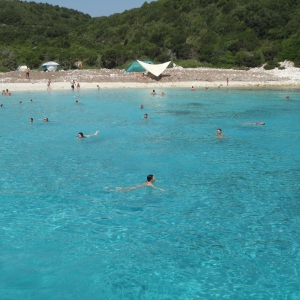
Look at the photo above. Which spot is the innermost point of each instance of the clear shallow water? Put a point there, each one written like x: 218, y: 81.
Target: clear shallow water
x: 226, y: 227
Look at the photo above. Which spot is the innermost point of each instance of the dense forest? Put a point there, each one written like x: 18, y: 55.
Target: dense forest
x: 216, y: 33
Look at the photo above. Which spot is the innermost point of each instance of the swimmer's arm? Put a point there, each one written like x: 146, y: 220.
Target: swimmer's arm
x: 162, y: 190
x: 131, y: 188
x: 89, y: 135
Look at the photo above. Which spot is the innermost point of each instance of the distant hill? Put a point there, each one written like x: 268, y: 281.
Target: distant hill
x: 227, y: 33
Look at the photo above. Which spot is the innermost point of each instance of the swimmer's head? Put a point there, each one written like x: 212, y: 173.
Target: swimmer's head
x: 142, y: 106
x: 76, y: 101
x: 1, y: 105
x: 145, y: 116
x: 150, y: 178
x: 20, y: 102
x: 46, y: 120
x: 219, y: 131
x: 31, y: 100
x: 31, y: 120
x: 80, y: 135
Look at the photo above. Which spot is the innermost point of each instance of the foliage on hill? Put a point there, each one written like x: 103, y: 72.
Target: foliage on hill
x: 229, y: 33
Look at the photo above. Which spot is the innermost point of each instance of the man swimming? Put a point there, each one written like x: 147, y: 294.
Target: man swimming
x: 219, y: 132
x: 145, y: 116
x: 81, y: 136
x: 149, y: 182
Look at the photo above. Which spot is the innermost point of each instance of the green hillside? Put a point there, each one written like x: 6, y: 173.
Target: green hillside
x: 228, y: 33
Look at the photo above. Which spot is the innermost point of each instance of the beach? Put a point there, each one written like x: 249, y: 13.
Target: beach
x: 173, y: 77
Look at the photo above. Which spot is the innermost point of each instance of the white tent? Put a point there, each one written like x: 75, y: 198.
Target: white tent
x: 51, y: 66
x: 21, y: 68
x: 154, y: 69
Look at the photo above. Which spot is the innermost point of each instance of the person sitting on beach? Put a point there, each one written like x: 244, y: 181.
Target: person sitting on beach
x: 149, y: 182
x: 81, y: 136
x: 7, y: 93
x: 78, y: 85
x: 145, y: 116
x: 219, y: 132
x: 162, y: 93
x: 31, y: 120
x: 153, y: 93
x: 142, y: 106
x: 192, y: 89
x: 46, y: 120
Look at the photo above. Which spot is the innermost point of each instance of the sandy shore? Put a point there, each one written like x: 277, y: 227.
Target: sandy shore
x: 175, y: 77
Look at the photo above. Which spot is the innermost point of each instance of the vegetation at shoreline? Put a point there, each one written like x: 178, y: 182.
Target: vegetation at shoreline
x: 216, y: 33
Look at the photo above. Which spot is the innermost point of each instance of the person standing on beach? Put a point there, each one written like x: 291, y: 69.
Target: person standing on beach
x: 27, y: 72
x: 227, y: 80
x: 78, y: 86
x: 48, y: 84
x: 73, y: 84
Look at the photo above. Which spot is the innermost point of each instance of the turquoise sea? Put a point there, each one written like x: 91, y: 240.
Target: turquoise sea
x: 227, y: 225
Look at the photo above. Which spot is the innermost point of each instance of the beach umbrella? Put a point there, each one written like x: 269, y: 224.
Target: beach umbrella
x: 51, y: 66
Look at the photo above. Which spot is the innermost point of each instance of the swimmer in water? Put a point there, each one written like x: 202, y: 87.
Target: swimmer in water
x: 162, y: 93
x: 142, y: 106
x: 3, y: 93
x: 1, y: 105
x: 76, y: 101
x: 21, y: 102
x: 81, y: 136
x: 31, y: 120
x: 149, y: 182
x: 31, y: 100
x: 192, y: 89
x: 145, y: 116
x: 254, y: 124
x: 98, y: 87
x: 153, y: 93
x: 219, y: 132
x: 287, y: 98
x: 46, y: 120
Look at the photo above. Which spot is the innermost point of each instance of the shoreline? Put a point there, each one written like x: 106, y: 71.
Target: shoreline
x: 63, y: 86
x: 177, y: 77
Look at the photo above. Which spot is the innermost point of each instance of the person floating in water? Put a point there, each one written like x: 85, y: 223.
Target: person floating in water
x: 149, y: 182
x: 219, y: 132
x: 254, y: 124
x: 81, y: 136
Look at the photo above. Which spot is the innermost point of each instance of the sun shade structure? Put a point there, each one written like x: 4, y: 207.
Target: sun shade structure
x: 51, y: 66
x: 21, y: 68
x: 136, y: 67
x: 154, y: 69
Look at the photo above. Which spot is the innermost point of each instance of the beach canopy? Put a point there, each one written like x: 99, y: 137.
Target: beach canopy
x: 154, y: 69
x: 51, y: 66
x: 136, y: 67
x: 21, y: 68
